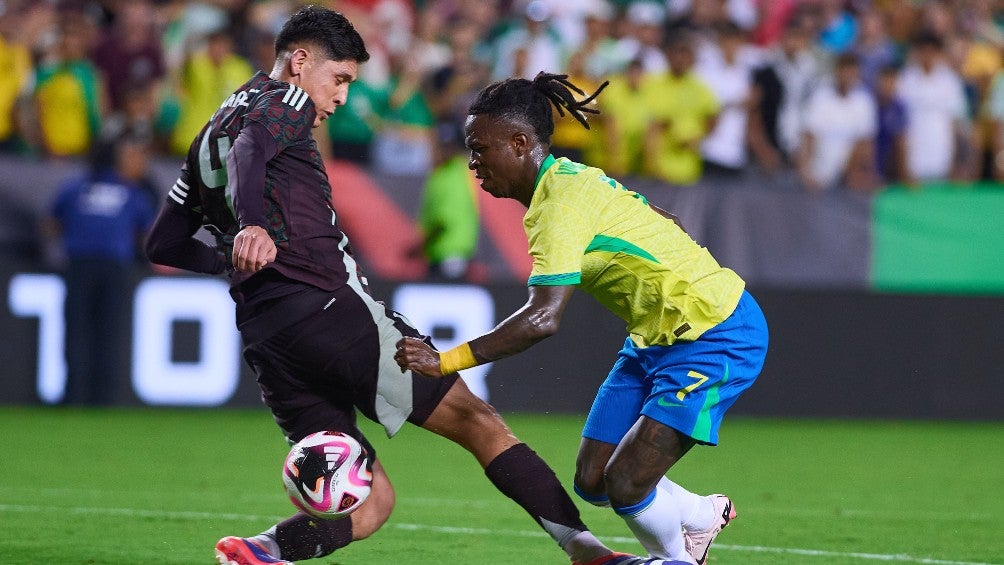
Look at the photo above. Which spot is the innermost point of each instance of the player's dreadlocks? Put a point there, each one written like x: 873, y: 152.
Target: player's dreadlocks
x: 531, y: 100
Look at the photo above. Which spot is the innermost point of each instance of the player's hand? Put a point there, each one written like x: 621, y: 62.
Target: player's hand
x: 253, y: 249
x: 416, y: 355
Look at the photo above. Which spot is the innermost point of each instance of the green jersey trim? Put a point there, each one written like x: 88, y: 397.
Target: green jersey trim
x: 563, y: 279
x: 550, y: 160
x: 617, y: 245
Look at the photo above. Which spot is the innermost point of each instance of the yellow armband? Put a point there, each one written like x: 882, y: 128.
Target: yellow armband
x: 457, y: 359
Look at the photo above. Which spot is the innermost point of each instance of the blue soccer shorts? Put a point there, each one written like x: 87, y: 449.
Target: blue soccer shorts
x: 687, y: 386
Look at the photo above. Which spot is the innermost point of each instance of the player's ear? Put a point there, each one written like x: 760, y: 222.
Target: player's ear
x: 520, y: 142
x: 297, y: 60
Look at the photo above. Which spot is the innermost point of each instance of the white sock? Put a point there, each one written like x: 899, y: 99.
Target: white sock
x: 696, y: 512
x: 266, y: 539
x: 584, y: 547
x: 656, y: 523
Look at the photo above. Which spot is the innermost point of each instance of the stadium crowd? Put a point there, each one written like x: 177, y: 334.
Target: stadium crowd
x: 856, y: 94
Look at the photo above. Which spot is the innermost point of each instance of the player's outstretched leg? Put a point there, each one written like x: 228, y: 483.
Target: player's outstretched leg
x: 627, y: 475
x: 515, y: 470
x: 302, y: 536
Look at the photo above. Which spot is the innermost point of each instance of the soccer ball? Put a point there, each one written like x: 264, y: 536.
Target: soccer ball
x: 326, y: 475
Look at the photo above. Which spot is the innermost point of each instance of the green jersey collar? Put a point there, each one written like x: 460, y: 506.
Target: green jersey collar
x: 550, y: 160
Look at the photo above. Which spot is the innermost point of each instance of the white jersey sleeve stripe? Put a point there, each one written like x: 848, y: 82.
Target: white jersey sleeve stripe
x: 176, y: 198
x: 296, y: 97
x: 303, y: 100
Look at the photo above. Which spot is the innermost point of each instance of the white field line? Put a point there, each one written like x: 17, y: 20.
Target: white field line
x: 193, y: 515
x: 821, y: 512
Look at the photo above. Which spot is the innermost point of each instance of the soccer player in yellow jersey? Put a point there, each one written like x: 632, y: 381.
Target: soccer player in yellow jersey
x: 696, y: 339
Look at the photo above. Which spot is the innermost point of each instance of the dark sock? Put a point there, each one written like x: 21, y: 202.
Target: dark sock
x: 523, y: 476
x: 304, y: 537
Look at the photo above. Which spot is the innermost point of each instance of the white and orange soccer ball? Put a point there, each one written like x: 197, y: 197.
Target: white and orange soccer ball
x: 327, y: 475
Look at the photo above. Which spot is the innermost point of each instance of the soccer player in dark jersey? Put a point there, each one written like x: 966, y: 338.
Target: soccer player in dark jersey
x: 321, y: 347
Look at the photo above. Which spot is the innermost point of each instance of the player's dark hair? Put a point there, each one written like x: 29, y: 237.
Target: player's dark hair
x: 324, y: 28
x: 531, y: 100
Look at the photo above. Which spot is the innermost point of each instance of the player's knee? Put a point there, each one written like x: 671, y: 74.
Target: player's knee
x: 589, y: 484
x: 374, y: 512
x: 623, y: 486
x: 592, y: 495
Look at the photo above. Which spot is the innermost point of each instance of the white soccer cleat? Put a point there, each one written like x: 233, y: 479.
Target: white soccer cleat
x: 698, y: 542
x: 233, y: 550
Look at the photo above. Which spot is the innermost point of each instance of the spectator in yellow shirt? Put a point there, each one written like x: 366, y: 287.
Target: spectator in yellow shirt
x: 68, y: 94
x: 625, y: 118
x: 207, y: 78
x: 683, y: 110
x: 15, y: 78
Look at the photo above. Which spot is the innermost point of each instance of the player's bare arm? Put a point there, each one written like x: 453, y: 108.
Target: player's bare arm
x: 538, y: 319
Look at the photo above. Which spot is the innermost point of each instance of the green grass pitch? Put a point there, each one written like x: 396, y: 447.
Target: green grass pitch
x: 122, y: 486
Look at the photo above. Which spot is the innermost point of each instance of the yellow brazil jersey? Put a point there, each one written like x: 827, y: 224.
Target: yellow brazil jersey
x: 586, y: 229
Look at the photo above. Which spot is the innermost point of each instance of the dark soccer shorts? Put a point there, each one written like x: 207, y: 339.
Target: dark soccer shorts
x: 321, y: 355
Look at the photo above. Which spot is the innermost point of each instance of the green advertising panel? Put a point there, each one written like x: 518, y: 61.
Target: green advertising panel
x: 942, y: 238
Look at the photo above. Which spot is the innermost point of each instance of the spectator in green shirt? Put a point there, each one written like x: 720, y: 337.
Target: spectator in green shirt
x: 448, y: 216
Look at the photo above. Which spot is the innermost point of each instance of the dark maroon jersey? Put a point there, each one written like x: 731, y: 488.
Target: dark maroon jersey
x: 256, y: 163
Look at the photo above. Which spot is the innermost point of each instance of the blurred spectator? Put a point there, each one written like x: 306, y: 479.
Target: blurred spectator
x: 100, y: 218
x: 780, y: 89
x: 208, y: 76
x: 261, y: 50
x: 394, y: 19
x: 838, y: 137
x: 704, y: 21
x: 994, y: 113
x: 902, y: 19
x: 403, y: 143
x: 889, y: 139
x: 68, y: 92
x: 724, y: 149
x: 17, y: 31
x: 938, y: 18
x: 570, y: 139
x: 138, y: 116
x: 530, y: 46
x: 683, y: 111
x: 130, y: 52
x: 352, y: 128
x: 978, y: 19
x: 839, y: 28
x: 645, y: 21
x: 936, y: 111
x: 599, y: 52
x: 625, y: 116
x: 448, y: 213
x: 772, y: 18
x: 742, y: 13
x: 978, y: 61
x: 451, y: 88
x: 874, y: 48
